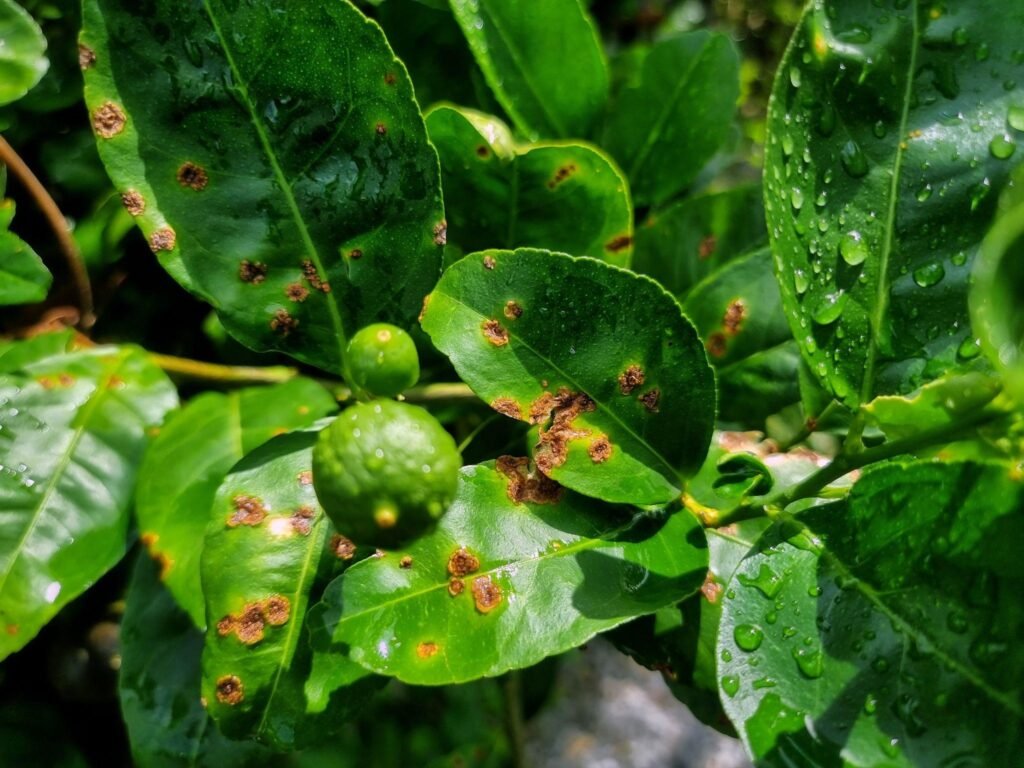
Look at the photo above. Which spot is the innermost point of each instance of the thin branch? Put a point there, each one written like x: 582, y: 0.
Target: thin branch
x: 511, y: 686
x: 59, y: 224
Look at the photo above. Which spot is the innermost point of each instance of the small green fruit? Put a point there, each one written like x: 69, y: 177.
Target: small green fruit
x: 382, y: 359
x: 384, y: 472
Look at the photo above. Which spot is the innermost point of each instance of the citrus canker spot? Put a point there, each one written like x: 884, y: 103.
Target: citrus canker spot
x: 441, y: 233
x: 193, y: 176
x: 600, y: 450
x: 283, y: 323
x: 525, y: 485
x: 296, y: 292
x: 302, y: 520
x: 553, y: 448
x: 494, y: 333
x: 254, y: 272
x: 733, y: 318
x: 506, y: 406
x: 462, y: 563
x: 426, y: 650
x: 108, y: 120
x: 249, y: 510
x: 619, y: 243
x: 489, y: 262
x: 342, y: 547
x: 630, y: 379
x: 486, y: 594
x: 230, y: 690
x: 86, y: 57
x: 561, y: 175
x: 512, y: 310
x: 405, y: 562
x: 133, y: 202
x: 456, y: 587
x: 163, y: 239
x: 651, y: 399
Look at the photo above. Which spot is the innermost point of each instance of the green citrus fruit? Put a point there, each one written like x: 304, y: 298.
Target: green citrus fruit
x: 384, y: 472
x: 382, y: 360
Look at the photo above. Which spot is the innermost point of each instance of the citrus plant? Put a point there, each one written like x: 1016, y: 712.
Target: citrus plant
x: 516, y: 335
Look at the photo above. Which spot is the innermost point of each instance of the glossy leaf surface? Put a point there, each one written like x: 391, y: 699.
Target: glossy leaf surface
x: 500, y: 194
x: 23, y: 53
x: 604, y: 355
x: 502, y: 584
x: 544, y: 62
x: 885, y: 633
x: 23, y: 277
x: 267, y: 542
x: 159, y: 684
x: 72, y: 432
x: 301, y: 199
x: 188, y: 461
x: 664, y: 127
x: 891, y: 131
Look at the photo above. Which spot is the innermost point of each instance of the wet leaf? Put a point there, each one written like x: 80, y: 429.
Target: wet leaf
x: 889, y: 140
x: 544, y: 62
x: 159, y: 684
x: 266, y: 550
x: 944, y: 402
x: 563, y: 566
x: 681, y: 244
x: 665, y: 127
x: 188, y: 461
x: 885, y: 631
x: 23, y: 53
x: 600, y: 358
x: 302, y: 200
x: 23, y: 277
x: 501, y: 194
x: 72, y: 431
x: 738, y: 312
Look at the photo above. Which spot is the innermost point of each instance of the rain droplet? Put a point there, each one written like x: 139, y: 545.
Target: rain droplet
x: 748, y: 637
x: 853, y: 159
x: 968, y: 349
x: 767, y: 581
x: 960, y: 37
x: 731, y: 685
x: 924, y: 193
x: 929, y: 274
x: 979, y: 192
x: 1015, y: 117
x: 796, y: 197
x: 879, y: 130
x: 794, y: 76
x: 810, y: 662
x: 1001, y: 147
x: 981, y: 52
x: 880, y: 665
x: 870, y: 704
x: 800, y: 281
x: 853, y: 249
x: 829, y: 308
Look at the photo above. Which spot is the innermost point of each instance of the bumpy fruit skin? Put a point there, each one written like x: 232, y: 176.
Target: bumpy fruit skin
x: 384, y: 472
x: 382, y: 359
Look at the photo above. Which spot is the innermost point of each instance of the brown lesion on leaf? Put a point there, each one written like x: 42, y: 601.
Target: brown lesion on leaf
x: 276, y: 610
x: 490, y: 262
x: 630, y: 379
x: 483, y: 151
x: 86, y: 57
x: 230, y: 690
x: 462, y: 562
x: 133, y: 202
x: 619, y: 243
x: 283, y: 323
x: 716, y: 344
x: 494, y: 332
x: 651, y: 399
x: 441, y: 233
x: 426, y: 650
x: 249, y: 624
x: 302, y: 520
x: 193, y: 176
x: 563, y: 173
x: 525, y: 484
x: 305, y: 477
x: 296, y: 292
x: 425, y: 307
x: 355, y: 254
x: 389, y: 78
x: 540, y: 409
x: 405, y: 562
x: 12, y: 629
x: 735, y: 314
x: 455, y: 587
x: 162, y: 239
x: 506, y: 406
x: 486, y: 594
x: 342, y: 547
x: 249, y: 510
x: 512, y: 310
x: 312, y: 276
x: 254, y: 272
x: 553, y: 448
x: 711, y: 589
x: 381, y: 129
x: 706, y: 248
x: 600, y: 449
x: 108, y: 120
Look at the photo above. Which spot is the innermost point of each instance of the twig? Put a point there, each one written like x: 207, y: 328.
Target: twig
x: 59, y: 224
x: 512, y: 685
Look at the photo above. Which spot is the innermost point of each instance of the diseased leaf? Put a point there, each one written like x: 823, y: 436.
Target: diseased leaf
x: 23, y: 277
x: 885, y: 632
x: 188, y: 461
x: 544, y: 62
x: 681, y: 244
x: 301, y: 198
x: 889, y: 139
x: 666, y: 126
x: 601, y: 359
x: 502, y: 584
x: 22, y: 53
x: 500, y: 194
x: 159, y: 684
x: 738, y: 312
x: 267, y: 543
x: 72, y: 434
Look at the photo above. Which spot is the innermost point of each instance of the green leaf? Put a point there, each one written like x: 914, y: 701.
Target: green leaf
x: 23, y: 277
x: 72, y: 432
x: 502, y: 584
x: 602, y: 359
x: 560, y: 196
x: 23, y: 53
x: 666, y: 126
x: 738, y: 312
x: 544, y: 62
x: 301, y: 199
x: 188, y: 460
x: 159, y: 684
x: 889, y: 136
x: 267, y: 542
x: 681, y: 244
x: 886, y: 631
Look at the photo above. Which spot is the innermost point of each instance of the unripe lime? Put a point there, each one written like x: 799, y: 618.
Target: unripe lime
x: 382, y: 359
x: 384, y: 472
